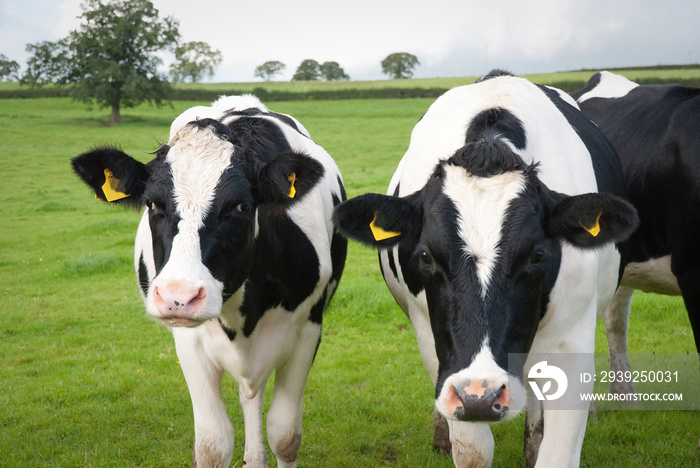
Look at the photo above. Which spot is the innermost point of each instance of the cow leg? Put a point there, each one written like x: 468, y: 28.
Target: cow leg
x: 286, y: 410
x: 563, y: 431
x: 689, y: 282
x: 213, y: 443
x: 563, y: 438
x: 534, y: 429
x: 472, y: 444
x: 616, y: 322
x: 441, y: 434
x: 426, y: 346
x: 255, y: 454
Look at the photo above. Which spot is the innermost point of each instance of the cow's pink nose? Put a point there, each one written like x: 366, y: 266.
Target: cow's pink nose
x: 178, y: 302
x: 478, y: 400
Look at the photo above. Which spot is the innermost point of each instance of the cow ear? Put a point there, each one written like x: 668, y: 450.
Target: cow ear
x: 379, y: 221
x: 114, y: 176
x: 593, y: 219
x: 287, y: 178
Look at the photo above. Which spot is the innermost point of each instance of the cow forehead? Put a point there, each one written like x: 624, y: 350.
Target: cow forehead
x: 482, y: 203
x: 216, y: 111
x: 197, y: 158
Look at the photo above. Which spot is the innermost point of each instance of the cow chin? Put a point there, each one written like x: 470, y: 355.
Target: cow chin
x: 180, y: 322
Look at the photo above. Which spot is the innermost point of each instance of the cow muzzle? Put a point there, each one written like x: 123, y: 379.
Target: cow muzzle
x: 476, y: 400
x: 180, y: 303
x: 489, y: 395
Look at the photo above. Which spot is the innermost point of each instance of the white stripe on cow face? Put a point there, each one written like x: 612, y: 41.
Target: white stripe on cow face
x: 197, y: 159
x: 481, y: 204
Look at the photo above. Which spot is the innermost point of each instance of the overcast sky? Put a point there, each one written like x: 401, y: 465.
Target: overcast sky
x: 449, y: 37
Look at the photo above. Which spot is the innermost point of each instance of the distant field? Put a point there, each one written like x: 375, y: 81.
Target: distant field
x: 87, y: 380
x: 662, y: 74
x: 569, y: 81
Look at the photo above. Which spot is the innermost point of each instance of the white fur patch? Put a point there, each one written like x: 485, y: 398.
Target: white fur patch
x: 481, y: 204
x: 197, y: 159
x: 610, y: 86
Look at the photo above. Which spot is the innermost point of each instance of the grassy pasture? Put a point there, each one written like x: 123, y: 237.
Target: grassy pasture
x: 87, y: 380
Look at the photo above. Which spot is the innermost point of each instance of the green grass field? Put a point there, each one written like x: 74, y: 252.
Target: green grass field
x: 87, y: 380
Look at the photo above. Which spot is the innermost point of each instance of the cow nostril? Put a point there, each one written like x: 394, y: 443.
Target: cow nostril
x: 201, y: 295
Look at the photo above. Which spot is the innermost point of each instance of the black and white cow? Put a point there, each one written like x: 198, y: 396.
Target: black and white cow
x: 236, y: 252
x: 656, y: 131
x: 494, y: 238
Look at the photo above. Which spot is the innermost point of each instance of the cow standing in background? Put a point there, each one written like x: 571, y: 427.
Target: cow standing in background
x: 493, y: 239
x: 237, y: 254
x: 656, y: 132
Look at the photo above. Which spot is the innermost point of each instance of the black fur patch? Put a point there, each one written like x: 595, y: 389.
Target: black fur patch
x: 494, y: 124
x: 496, y: 72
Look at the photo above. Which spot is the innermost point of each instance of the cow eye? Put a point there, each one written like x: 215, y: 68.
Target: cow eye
x: 154, y: 208
x: 234, y: 210
x: 425, y: 257
x: 537, y: 257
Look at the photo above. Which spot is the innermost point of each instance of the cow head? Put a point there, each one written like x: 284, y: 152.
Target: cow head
x: 202, y: 194
x: 483, y: 239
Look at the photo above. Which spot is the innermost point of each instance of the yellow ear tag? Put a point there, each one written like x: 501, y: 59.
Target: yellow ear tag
x: 595, y: 229
x: 292, y: 191
x: 379, y: 233
x: 111, y: 188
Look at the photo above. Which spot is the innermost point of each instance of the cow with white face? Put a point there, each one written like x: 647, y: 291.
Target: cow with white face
x: 498, y: 236
x: 237, y: 254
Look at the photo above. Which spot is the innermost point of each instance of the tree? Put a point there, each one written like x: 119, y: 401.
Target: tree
x: 9, y: 69
x: 194, y: 60
x: 111, y: 59
x: 309, y: 70
x: 331, y: 71
x: 269, y: 69
x: 399, y: 65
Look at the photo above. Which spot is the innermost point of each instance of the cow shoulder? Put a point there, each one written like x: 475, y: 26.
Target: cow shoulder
x: 606, y: 164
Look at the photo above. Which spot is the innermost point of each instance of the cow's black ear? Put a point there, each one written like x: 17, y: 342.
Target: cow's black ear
x: 593, y: 219
x: 114, y: 176
x: 287, y: 178
x: 379, y: 221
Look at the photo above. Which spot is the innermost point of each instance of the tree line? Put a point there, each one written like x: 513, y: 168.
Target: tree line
x: 398, y: 65
x: 309, y: 70
x: 112, y: 58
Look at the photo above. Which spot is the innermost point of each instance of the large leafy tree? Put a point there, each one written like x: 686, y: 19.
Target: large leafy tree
x: 309, y: 70
x: 399, y: 65
x: 111, y: 59
x: 269, y: 69
x: 9, y: 69
x: 194, y: 60
x: 331, y: 71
